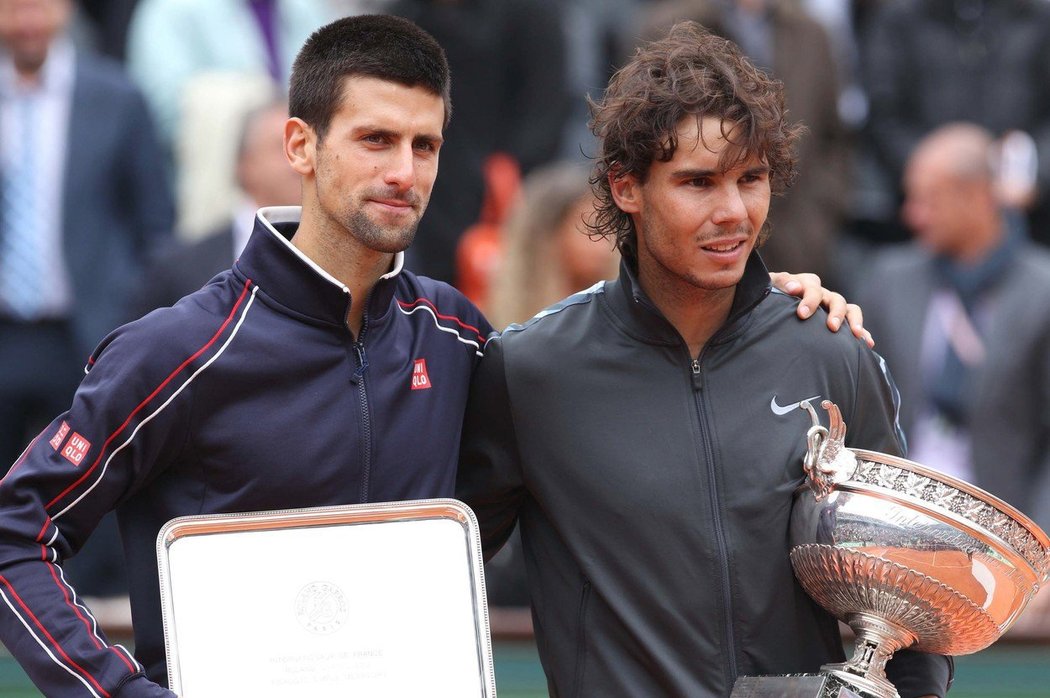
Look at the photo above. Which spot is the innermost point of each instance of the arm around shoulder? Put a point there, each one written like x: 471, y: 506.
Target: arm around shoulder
x: 490, y: 478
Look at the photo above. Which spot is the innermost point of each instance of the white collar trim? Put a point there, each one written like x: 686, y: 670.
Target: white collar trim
x: 272, y: 215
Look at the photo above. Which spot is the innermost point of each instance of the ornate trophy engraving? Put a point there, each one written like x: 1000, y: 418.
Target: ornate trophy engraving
x: 906, y: 556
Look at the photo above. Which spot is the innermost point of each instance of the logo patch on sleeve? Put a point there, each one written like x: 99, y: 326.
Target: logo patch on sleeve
x: 59, y: 436
x: 76, y: 449
x: 420, y: 378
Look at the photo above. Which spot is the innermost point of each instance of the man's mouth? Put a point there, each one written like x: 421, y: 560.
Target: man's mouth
x: 723, y: 247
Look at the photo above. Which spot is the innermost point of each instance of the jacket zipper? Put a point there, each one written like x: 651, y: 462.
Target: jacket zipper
x: 719, y: 529
x: 366, y: 422
x: 581, y: 639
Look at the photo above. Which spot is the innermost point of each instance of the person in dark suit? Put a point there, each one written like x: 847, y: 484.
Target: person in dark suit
x: 961, y: 319
x: 84, y: 195
x: 265, y: 179
x: 101, y: 201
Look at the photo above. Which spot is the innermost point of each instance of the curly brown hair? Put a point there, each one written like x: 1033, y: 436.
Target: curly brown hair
x: 690, y: 72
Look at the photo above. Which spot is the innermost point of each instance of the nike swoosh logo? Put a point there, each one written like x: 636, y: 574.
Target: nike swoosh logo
x: 780, y: 411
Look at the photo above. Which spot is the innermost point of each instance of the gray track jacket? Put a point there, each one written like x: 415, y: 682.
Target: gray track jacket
x: 654, y: 488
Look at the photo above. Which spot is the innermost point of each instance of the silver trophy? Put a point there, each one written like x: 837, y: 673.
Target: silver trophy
x: 906, y: 556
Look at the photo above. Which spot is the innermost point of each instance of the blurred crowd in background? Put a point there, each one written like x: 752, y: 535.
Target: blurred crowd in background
x: 139, y: 137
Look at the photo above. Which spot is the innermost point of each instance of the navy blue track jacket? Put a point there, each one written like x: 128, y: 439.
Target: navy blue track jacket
x: 250, y: 394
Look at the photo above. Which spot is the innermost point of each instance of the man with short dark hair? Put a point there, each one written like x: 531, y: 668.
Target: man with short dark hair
x: 643, y: 433
x: 285, y: 383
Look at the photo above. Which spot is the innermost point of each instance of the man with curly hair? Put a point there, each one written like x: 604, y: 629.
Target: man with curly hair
x: 643, y: 432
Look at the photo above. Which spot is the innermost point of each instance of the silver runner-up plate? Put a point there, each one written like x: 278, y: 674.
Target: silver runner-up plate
x: 378, y: 600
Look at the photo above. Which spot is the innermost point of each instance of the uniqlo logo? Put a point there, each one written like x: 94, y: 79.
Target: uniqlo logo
x: 420, y: 378
x: 76, y: 449
x: 59, y: 436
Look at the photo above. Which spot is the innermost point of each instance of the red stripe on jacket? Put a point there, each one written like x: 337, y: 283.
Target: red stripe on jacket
x: 54, y: 643
x: 152, y: 395
x: 453, y: 318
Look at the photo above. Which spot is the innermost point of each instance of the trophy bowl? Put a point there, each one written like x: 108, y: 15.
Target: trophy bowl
x: 907, y: 556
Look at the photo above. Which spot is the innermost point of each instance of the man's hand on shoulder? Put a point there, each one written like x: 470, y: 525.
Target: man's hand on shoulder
x: 808, y: 287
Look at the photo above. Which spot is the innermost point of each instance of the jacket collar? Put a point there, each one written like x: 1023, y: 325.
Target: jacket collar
x: 646, y: 322
x: 289, y: 277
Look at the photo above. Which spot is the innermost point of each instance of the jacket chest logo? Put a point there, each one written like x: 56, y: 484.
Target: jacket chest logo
x: 420, y: 377
x: 780, y: 410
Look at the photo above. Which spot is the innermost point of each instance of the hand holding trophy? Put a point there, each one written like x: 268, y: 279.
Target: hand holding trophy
x: 906, y: 556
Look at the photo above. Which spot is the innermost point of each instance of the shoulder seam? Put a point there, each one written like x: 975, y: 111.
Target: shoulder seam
x: 580, y: 298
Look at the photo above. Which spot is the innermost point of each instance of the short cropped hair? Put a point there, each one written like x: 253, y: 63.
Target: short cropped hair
x: 377, y: 46
x: 690, y: 72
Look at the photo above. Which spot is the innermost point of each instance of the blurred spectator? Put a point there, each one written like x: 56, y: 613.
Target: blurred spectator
x: 783, y: 40
x: 84, y: 199
x: 197, y: 62
x: 840, y: 19
x: 931, y: 62
x: 509, y: 95
x: 547, y: 254
x: 265, y: 179
x: 599, y: 35
x: 172, y: 41
x: 962, y: 320
x: 213, y: 107
x: 480, y: 248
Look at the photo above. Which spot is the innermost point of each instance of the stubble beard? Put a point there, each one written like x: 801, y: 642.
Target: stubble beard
x: 714, y: 282
x: 356, y: 221
x: 375, y: 236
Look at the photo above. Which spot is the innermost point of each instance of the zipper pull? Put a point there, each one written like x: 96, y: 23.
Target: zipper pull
x: 362, y: 362
x: 698, y: 379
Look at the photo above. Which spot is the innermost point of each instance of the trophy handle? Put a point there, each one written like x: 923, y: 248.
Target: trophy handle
x: 827, y: 461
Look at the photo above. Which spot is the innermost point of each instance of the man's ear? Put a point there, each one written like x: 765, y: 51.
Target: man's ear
x: 300, y: 145
x: 626, y: 192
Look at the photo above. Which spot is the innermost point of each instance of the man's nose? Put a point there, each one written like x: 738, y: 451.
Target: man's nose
x: 401, y: 170
x: 730, y: 207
